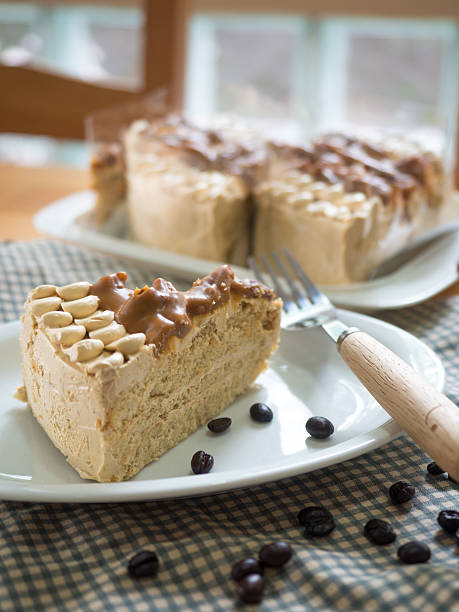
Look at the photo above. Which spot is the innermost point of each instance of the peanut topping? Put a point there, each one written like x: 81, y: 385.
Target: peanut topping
x: 69, y: 335
x: 56, y: 318
x: 43, y: 291
x: 84, y: 350
x: 97, y: 320
x: 47, y: 304
x: 82, y: 307
x: 105, y: 359
x: 75, y: 291
x: 128, y: 345
x: 129, y: 319
x: 108, y: 334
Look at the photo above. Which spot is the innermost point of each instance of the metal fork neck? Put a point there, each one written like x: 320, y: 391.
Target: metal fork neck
x: 338, y: 331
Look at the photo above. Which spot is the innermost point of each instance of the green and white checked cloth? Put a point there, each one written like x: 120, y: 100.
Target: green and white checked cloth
x: 73, y: 557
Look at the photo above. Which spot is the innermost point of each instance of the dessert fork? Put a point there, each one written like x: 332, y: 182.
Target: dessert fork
x: 422, y: 411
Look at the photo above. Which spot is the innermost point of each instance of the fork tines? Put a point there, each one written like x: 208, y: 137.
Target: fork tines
x: 287, y: 285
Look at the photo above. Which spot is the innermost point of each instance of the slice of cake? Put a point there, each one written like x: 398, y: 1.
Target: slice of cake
x: 343, y: 205
x: 107, y: 179
x: 188, y: 188
x: 117, y: 377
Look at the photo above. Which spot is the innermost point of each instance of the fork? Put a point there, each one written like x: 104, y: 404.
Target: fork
x: 422, y: 411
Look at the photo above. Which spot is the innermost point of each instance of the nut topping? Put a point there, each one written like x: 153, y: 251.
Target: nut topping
x: 84, y: 350
x: 69, y: 335
x: 56, y: 318
x: 105, y: 360
x: 128, y: 344
x: 43, y: 291
x: 42, y: 305
x: 75, y: 291
x: 110, y: 333
x: 99, y: 319
x: 82, y: 307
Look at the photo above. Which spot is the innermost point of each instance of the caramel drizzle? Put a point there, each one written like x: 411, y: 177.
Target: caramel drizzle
x: 161, y: 311
x: 359, y: 166
x: 209, y: 149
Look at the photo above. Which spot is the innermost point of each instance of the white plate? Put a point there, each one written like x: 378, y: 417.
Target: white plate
x: 306, y: 377
x: 432, y: 270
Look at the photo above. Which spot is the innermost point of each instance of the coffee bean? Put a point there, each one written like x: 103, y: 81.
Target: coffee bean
x: 261, y: 413
x: 414, y: 552
x: 319, y: 427
x: 434, y: 469
x: 144, y: 563
x: 201, y: 462
x: 453, y: 479
x: 275, y: 554
x: 311, y: 511
x: 219, y: 425
x: 379, y: 532
x: 401, y: 492
x: 317, y: 521
x: 250, y: 589
x: 449, y: 520
x: 241, y: 568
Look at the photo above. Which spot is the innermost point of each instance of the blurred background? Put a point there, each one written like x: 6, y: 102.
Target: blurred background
x: 305, y: 65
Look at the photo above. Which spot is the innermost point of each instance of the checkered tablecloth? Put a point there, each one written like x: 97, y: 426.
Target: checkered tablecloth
x: 73, y: 557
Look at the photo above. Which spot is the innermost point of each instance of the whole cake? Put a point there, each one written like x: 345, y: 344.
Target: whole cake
x: 341, y: 204
x: 117, y: 376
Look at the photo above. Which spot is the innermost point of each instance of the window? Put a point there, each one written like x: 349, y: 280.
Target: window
x: 76, y: 40
x: 252, y: 66
x: 309, y: 75
x: 393, y: 74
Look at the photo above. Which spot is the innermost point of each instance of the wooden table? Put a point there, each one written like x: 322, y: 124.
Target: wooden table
x: 23, y: 191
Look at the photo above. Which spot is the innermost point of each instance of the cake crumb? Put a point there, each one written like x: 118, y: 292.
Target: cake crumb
x: 21, y: 394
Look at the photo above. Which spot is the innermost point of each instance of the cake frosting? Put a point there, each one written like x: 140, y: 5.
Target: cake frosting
x: 117, y: 376
x: 190, y: 187
x: 342, y: 204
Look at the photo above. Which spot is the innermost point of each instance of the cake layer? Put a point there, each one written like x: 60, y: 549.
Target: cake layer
x: 121, y: 403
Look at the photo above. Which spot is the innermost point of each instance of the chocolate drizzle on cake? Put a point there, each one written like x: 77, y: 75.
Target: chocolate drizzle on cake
x: 209, y: 149
x: 359, y: 167
x: 161, y: 311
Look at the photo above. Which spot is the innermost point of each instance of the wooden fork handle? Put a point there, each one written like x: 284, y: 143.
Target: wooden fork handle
x: 426, y: 415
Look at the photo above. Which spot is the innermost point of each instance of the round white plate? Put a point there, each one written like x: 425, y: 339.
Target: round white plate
x: 306, y: 377
x: 431, y: 270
